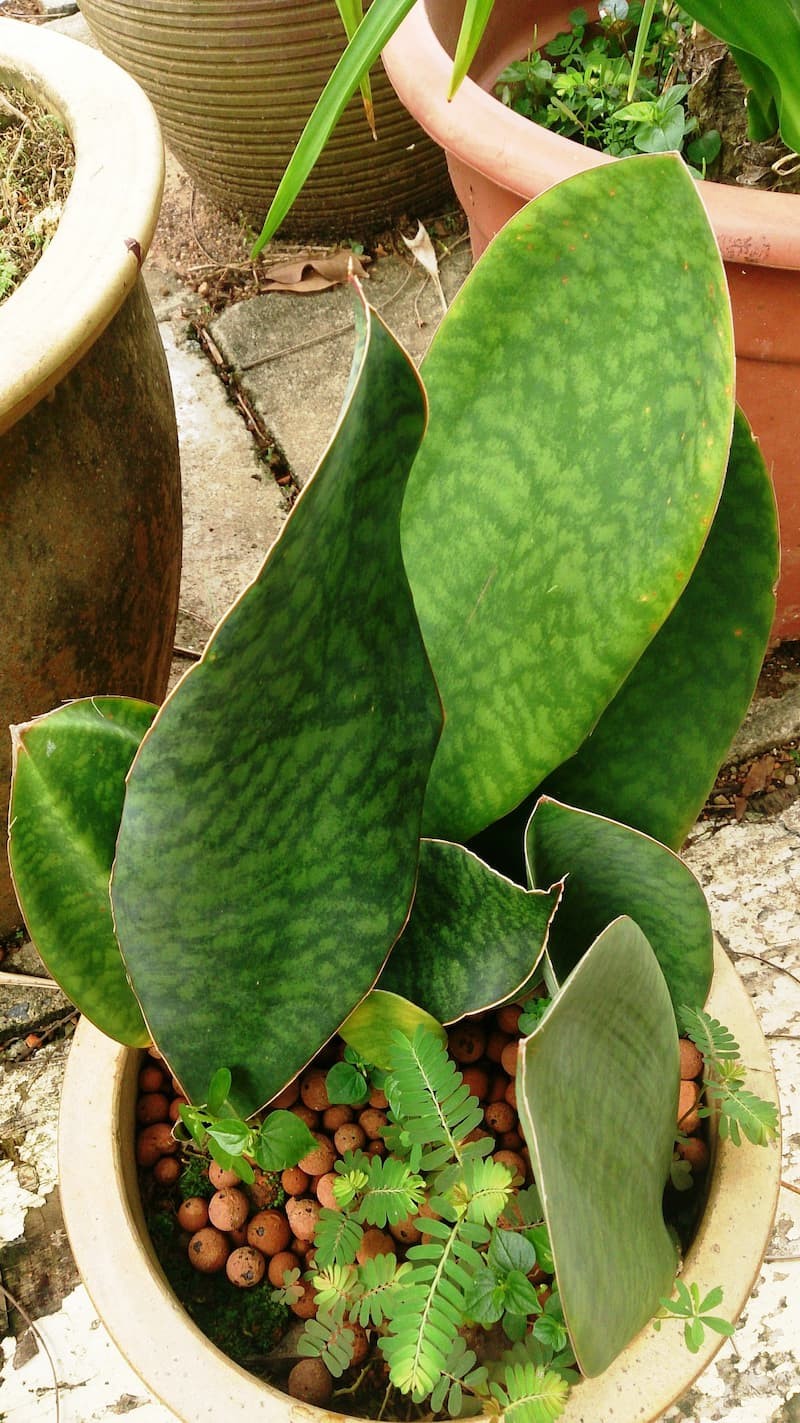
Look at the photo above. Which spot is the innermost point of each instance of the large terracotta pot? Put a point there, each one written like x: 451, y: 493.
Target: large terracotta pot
x: 90, y: 513
x: 105, y: 1224
x: 499, y: 160
x: 233, y: 82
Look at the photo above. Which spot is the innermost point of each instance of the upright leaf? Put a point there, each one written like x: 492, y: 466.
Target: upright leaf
x: 611, y: 870
x: 653, y: 756
x: 605, y: 1055
x: 474, y: 938
x: 771, y: 34
x: 476, y: 17
x: 563, y: 490
x: 68, y: 785
x: 268, y: 847
x: 352, y: 14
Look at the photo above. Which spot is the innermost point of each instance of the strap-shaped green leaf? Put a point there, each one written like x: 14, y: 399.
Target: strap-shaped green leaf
x: 611, y: 870
x: 68, y: 785
x: 474, y: 938
x: 653, y: 756
x: 605, y: 1055
x: 269, y: 841
x: 771, y: 34
x: 564, y: 489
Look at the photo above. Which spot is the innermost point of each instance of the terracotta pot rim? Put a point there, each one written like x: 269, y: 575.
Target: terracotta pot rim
x: 93, y: 261
x: 753, y: 227
x: 106, y: 1229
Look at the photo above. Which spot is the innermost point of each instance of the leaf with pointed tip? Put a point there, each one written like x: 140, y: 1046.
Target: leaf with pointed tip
x: 269, y: 840
x: 771, y: 34
x: 68, y: 787
x: 474, y: 938
x: 476, y: 17
x: 610, y: 870
x: 371, y: 1026
x: 653, y: 756
x: 544, y: 550
x: 608, y: 1039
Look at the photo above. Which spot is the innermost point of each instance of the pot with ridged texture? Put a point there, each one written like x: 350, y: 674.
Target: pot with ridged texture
x: 499, y: 160
x: 233, y: 82
x: 89, y: 470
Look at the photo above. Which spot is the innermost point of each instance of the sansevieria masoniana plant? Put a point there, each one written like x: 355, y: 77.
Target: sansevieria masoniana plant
x: 448, y: 741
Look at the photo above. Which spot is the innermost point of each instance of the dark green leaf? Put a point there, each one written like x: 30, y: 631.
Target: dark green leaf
x: 771, y: 36
x: 510, y: 1251
x: 551, y: 1332
x: 218, y: 1090
x: 345, y: 1084
x: 231, y: 1135
x: 540, y: 1240
x: 520, y: 1295
x: 282, y: 1141
x: 69, y: 770
x: 268, y: 848
x: 484, y: 1299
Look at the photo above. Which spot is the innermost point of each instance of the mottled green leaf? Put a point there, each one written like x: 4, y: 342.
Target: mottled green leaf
x: 611, y: 870
x: 653, y: 756
x: 269, y: 840
x: 770, y: 33
x: 69, y: 770
x: 474, y: 938
x: 371, y: 1026
x: 565, y: 482
x: 607, y: 1047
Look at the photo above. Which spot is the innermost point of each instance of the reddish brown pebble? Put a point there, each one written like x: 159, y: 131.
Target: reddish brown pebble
x: 372, y: 1122
x: 261, y: 1191
x: 306, y: 1115
x: 287, y: 1097
x: 691, y: 1060
x: 495, y: 1043
x: 238, y: 1236
x: 306, y: 1306
x: 350, y: 1137
x: 155, y: 1141
x: 500, y: 1117
x: 294, y: 1181
x: 321, y: 1159
x: 405, y: 1231
x: 515, y: 1163
x: 376, y: 1147
x: 310, y: 1382
x: 374, y: 1242
x: 508, y: 1058
x: 510, y: 1141
x: 378, y: 1098
x: 695, y: 1151
x: 268, y: 1231
x: 688, y: 1116
x: 175, y: 1108
x: 313, y: 1091
x: 507, y: 1018
x: 323, y: 1190
x: 192, y: 1214
x: 511, y: 1094
x: 221, y: 1178
x: 466, y: 1042
x: 477, y: 1079
x: 33, y: 1040
x: 151, y: 1078
x: 336, y: 1117
x: 302, y: 1214
x: 228, y: 1208
x: 300, y: 1247
x: 167, y: 1170
x: 152, y: 1107
x: 208, y: 1250
x: 245, y: 1267
x: 279, y: 1264
x: 360, y: 1343
x: 497, y: 1088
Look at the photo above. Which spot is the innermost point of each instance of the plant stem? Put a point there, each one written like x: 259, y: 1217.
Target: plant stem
x: 641, y: 41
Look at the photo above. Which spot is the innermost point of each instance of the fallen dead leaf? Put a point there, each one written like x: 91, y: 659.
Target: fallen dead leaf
x: 305, y: 275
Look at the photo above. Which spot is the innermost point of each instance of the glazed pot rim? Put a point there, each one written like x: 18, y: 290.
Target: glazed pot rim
x: 105, y: 1225
x: 93, y: 260
x: 753, y: 227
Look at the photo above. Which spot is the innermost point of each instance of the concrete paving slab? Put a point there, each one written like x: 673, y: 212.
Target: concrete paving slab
x: 292, y: 353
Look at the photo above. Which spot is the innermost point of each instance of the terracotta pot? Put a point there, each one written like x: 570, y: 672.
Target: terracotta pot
x: 105, y: 1223
x: 89, y: 472
x: 499, y: 160
x: 233, y: 82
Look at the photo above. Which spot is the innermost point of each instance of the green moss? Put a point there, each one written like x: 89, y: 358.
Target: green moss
x: 193, y: 1180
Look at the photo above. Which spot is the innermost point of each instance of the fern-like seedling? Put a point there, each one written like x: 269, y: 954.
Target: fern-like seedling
x: 428, y: 1095
x: 384, y: 1191
x: 328, y: 1338
x: 336, y: 1238
x: 531, y: 1393
x: 740, y: 1112
x: 381, y: 1285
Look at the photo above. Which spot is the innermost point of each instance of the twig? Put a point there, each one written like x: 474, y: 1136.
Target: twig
x: 41, y: 1339
x: 778, y: 967
x: 190, y: 652
x: 789, y: 1186
x: 28, y: 980
x: 353, y: 1387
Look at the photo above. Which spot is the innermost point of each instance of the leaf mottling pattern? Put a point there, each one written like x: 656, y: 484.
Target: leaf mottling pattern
x: 254, y: 919
x: 576, y: 450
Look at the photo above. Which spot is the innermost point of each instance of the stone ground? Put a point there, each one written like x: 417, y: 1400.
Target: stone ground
x: 258, y: 379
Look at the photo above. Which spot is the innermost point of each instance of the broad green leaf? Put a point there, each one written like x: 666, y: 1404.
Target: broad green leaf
x: 612, y: 870
x: 371, y: 1026
x: 565, y: 485
x: 510, y: 1251
x: 269, y: 840
x: 608, y: 1040
x: 283, y: 1140
x: 653, y: 756
x: 476, y: 18
x: 474, y: 938
x: 345, y: 1084
x: 771, y: 34
x: 218, y: 1089
x: 376, y: 28
x: 68, y: 785
x: 232, y: 1135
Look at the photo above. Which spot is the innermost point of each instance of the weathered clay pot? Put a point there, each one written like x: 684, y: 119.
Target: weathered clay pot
x: 233, y: 82
x: 105, y: 1223
x: 89, y: 472
x: 499, y: 160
